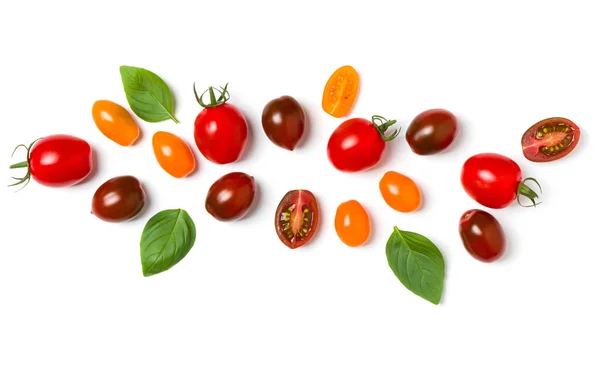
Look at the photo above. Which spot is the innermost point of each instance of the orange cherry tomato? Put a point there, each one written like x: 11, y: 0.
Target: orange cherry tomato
x: 400, y: 192
x: 115, y: 122
x: 340, y: 91
x: 173, y: 154
x: 352, y: 223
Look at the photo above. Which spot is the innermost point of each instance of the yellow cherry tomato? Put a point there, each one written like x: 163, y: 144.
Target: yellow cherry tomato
x: 115, y: 122
x: 173, y: 154
x: 352, y: 223
x: 400, y: 192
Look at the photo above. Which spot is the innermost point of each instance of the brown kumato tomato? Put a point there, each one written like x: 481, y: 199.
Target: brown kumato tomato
x: 231, y: 196
x: 283, y: 121
x: 482, y: 235
x: 119, y: 199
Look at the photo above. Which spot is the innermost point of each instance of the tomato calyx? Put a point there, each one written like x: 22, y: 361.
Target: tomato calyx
x: 23, y: 164
x: 526, y: 191
x: 214, y: 101
x: 382, y: 124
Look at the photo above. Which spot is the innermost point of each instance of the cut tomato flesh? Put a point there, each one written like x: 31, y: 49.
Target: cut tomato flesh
x: 550, y: 139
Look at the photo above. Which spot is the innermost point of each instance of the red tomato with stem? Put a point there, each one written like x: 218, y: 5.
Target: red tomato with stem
x: 495, y: 181
x: 358, y: 144
x: 220, y: 130
x: 56, y: 161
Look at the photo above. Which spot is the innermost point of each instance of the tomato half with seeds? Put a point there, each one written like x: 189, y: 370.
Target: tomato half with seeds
x: 297, y: 218
x: 352, y: 223
x: 550, y: 139
x: 482, y: 235
x: 173, y: 154
x: 340, y: 91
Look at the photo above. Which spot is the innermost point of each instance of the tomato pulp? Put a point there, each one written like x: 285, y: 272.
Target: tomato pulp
x: 340, y: 91
x: 220, y: 130
x: 550, y: 139
x: 297, y: 218
x: 358, y: 144
x: 495, y: 181
x: 56, y: 161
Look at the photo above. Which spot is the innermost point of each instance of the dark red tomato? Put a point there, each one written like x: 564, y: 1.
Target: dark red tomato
x: 357, y: 144
x: 283, y: 121
x: 119, y: 199
x: 482, y: 235
x: 550, y: 139
x: 297, y: 218
x: 431, y: 131
x: 495, y: 181
x: 56, y: 161
x: 220, y: 130
x: 231, y: 196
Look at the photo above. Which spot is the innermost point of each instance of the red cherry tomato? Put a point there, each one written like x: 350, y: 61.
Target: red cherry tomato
x: 297, y: 218
x: 358, y: 144
x: 56, y: 161
x: 550, y: 139
x: 220, y: 130
x: 482, y: 235
x: 495, y: 181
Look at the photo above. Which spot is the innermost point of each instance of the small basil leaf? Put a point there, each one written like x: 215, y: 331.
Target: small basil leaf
x: 148, y: 95
x: 417, y: 263
x: 166, y: 240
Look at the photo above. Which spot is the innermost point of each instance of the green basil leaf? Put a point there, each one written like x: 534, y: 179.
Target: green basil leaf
x: 166, y: 240
x: 417, y: 263
x: 148, y: 95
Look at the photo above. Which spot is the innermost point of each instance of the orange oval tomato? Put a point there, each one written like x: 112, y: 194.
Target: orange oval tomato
x: 352, y: 223
x: 115, y: 122
x: 173, y: 154
x: 340, y: 91
x: 400, y: 192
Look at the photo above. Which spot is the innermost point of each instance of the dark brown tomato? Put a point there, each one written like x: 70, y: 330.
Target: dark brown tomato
x: 283, y: 121
x: 297, y: 218
x: 431, y: 131
x: 482, y: 235
x: 550, y: 139
x: 119, y: 199
x: 231, y: 196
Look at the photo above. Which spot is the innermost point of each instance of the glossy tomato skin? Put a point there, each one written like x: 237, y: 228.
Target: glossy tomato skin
x: 115, y: 122
x: 352, y: 223
x: 297, y: 218
x: 482, y: 235
x: 119, y: 199
x: 355, y: 145
x: 231, y: 196
x: 550, y: 139
x: 491, y: 179
x: 431, y: 131
x: 173, y: 154
x: 221, y: 133
x: 283, y: 121
x: 60, y: 160
x: 400, y: 192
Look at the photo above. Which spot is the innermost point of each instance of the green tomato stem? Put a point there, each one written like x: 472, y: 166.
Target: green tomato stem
x: 382, y: 124
x: 525, y: 191
x: 19, y: 165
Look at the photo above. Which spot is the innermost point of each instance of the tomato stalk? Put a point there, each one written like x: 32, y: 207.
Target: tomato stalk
x: 214, y: 101
x: 23, y: 164
x: 526, y: 191
x: 382, y: 124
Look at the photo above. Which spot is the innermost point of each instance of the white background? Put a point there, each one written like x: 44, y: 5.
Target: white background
x: 72, y: 295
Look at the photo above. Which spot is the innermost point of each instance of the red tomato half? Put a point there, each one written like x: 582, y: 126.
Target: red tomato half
x: 358, y: 144
x: 220, y: 130
x: 550, y: 139
x: 297, y: 218
x: 57, y: 161
x: 495, y: 180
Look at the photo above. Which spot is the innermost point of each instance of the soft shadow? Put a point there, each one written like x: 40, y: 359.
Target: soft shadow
x: 147, y: 204
x: 95, y: 169
x: 307, y: 128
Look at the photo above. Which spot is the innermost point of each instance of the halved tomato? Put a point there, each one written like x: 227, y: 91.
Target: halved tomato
x: 550, y: 139
x: 297, y: 218
x: 340, y: 91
